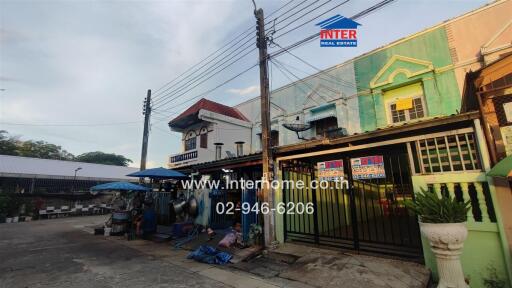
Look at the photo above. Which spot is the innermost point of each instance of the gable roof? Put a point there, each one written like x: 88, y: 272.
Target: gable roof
x: 338, y: 22
x: 205, y: 104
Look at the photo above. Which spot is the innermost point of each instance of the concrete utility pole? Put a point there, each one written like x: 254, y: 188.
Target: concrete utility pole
x: 261, y: 43
x: 145, y: 137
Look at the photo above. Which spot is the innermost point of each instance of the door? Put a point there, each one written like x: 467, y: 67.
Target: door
x: 366, y: 213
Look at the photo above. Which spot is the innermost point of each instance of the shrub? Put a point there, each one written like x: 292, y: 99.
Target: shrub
x: 433, y: 209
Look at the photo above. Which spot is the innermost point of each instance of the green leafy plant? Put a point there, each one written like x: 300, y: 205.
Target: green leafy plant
x: 433, y: 209
x: 492, y: 280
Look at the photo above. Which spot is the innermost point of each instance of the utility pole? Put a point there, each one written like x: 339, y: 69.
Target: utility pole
x: 261, y: 43
x: 145, y: 137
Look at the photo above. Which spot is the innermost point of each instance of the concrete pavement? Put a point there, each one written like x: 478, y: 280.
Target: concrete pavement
x: 61, y: 253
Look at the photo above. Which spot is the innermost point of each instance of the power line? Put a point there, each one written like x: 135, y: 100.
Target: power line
x: 279, y: 66
x: 314, y: 36
x: 246, y: 33
x: 222, y: 62
x: 202, y: 81
x: 214, y: 88
x: 320, y: 72
x: 286, y: 49
x: 68, y: 124
x: 298, y: 26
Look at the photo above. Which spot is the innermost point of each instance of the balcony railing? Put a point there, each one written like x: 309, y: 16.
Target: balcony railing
x: 183, y: 157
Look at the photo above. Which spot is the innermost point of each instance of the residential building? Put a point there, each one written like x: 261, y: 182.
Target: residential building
x: 400, y: 108
x: 210, y: 131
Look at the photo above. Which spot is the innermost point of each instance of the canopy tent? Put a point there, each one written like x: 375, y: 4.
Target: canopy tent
x: 158, y: 173
x: 502, y: 169
x: 121, y: 186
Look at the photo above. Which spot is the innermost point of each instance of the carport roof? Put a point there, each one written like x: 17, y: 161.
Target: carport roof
x: 26, y: 167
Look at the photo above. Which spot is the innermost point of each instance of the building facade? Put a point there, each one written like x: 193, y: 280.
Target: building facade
x: 395, y: 111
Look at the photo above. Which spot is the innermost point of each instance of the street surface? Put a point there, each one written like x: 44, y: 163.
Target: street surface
x: 59, y: 253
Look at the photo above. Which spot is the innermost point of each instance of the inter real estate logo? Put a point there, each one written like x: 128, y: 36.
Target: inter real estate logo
x: 338, y: 31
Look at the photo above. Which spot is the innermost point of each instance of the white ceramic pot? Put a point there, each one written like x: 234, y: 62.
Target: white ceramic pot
x: 446, y: 241
x: 15, y: 219
x: 8, y: 220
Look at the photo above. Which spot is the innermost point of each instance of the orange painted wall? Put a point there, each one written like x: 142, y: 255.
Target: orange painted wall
x: 490, y: 25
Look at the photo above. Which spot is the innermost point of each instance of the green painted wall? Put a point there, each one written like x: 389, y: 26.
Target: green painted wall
x: 440, y: 88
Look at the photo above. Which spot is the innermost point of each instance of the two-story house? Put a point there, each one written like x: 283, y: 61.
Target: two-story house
x: 389, y: 120
x: 210, y: 131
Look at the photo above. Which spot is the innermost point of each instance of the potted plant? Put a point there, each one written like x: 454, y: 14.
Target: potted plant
x: 443, y: 223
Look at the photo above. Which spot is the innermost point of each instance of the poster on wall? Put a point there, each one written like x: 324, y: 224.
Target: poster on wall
x: 330, y: 170
x: 370, y: 167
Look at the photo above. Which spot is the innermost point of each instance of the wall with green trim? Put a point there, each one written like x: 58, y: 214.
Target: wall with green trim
x: 441, y: 92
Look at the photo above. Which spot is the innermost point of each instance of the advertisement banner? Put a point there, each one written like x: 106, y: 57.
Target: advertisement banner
x: 330, y: 170
x: 370, y: 167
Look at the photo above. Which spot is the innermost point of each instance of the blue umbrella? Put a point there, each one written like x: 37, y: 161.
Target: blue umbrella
x: 158, y: 173
x: 125, y: 186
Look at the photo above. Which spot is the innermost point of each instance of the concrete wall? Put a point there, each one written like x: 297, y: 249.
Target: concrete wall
x: 479, y: 37
x: 298, y: 98
x: 424, y: 59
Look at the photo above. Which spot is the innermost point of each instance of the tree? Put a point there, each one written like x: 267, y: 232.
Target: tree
x: 10, y: 145
x: 7, y: 144
x: 103, y: 158
x: 43, y: 149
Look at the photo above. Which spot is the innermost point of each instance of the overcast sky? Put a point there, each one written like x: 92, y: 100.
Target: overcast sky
x: 75, y: 73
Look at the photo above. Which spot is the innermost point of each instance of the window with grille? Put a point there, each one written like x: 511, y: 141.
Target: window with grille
x: 445, y: 154
x: 323, y: 126
x: 190, y: 144
x: 415, y: 112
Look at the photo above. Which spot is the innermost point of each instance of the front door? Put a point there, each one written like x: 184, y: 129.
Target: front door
x: 369, y: 215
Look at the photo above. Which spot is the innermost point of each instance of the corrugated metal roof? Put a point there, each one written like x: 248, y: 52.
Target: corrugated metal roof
x: 16, y: 166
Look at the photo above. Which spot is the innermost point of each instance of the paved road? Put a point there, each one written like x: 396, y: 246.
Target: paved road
x: 59, y: 253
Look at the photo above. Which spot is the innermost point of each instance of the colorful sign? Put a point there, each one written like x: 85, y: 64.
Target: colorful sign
x: 330, y: 170
x: 338, y: 31
x: 370, y: 167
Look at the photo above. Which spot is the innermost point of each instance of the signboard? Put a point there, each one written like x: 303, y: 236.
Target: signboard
x: 404, y: 104
x: 330, y: 170
x: 370, y: 167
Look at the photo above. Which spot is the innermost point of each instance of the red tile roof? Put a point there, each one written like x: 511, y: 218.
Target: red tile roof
x: 213, y: 107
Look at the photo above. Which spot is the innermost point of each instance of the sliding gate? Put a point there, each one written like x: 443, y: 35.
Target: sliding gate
x: 369, y: 215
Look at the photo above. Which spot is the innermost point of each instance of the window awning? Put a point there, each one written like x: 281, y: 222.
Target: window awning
x: 321, y: 112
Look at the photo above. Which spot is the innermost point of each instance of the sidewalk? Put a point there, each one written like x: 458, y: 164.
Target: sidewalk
x: 225, y: 274
x: 294, y: 265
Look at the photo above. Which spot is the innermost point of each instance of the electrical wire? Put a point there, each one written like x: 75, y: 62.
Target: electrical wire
x: 222, y: 62
x: 246, y: 33
x: 71, y: 125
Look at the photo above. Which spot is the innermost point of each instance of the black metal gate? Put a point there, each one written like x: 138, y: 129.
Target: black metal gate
x: 369, y: 215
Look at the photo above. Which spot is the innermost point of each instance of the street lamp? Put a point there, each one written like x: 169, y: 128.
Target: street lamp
x: 74, y: 180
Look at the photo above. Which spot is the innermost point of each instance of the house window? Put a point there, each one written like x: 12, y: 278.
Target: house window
x: 322, y: 126
x: 190, y: 144
x: 414, y: 112
x: 203, y: 141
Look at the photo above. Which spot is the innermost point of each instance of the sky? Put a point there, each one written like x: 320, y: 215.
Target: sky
x: 75, y: 73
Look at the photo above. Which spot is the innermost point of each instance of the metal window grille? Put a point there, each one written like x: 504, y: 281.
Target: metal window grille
x: 446, y: 154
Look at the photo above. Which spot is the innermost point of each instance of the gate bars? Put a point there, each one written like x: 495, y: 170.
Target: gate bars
x: 368, y: 216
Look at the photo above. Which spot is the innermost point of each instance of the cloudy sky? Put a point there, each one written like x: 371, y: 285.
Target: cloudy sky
x: 75, y: 73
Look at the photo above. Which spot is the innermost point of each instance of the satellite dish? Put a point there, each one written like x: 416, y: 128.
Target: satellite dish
x: 297, y: 127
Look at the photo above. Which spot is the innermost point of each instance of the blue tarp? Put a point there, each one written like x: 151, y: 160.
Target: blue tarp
x: 158, y: 173
x: 210, y: 255
x: 124, y: 186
